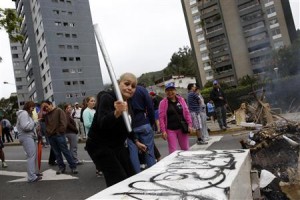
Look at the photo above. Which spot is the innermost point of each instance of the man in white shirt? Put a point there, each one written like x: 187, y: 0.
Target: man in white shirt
x: 76, y: 114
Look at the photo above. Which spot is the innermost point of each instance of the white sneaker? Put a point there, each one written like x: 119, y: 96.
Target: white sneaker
x: 4, y: 165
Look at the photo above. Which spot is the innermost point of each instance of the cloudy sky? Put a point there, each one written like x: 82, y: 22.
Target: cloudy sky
x: 140, y: 35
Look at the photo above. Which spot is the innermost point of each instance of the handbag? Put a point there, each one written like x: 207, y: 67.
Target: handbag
x: 183, y: 124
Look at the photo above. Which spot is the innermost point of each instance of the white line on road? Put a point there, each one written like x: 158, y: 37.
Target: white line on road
x: 48, y: 175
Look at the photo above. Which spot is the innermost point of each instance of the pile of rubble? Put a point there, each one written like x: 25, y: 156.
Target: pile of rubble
x: 274, y: 145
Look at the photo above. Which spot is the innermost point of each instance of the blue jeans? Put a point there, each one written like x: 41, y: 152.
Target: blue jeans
x: 221, y: 115
x: 145, y: 135
x: 59, y: 146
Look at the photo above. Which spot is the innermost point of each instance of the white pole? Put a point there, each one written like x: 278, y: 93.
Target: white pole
x: 111, y: 74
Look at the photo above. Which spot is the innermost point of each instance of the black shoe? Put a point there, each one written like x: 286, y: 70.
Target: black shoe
x: 52, y: 163
x: 37, y: 179
x: 39, y: 174
x: 61, y: 171
x: 201, y: 142
x: 74, y: 171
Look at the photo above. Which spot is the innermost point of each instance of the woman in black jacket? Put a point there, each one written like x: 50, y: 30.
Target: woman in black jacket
x: 106, y: 140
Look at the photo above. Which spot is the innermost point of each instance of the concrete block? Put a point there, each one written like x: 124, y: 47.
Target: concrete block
x: 217, y: 174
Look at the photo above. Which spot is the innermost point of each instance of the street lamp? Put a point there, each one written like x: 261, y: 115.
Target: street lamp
x: 7, y: 83
x: 276, y: 72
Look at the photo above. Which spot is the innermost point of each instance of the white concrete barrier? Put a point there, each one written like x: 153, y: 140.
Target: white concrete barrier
x: 215, y: 175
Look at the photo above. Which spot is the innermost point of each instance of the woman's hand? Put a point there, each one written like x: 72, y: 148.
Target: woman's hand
x: 191, y: 129
x: 120, y: 106
x: 141, y: 146
x: 164, y: 135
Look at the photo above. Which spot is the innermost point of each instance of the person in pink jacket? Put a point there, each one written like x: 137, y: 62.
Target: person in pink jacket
x: 171, y: 109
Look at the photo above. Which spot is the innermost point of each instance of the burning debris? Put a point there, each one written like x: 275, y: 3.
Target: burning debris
x: 274, y: 145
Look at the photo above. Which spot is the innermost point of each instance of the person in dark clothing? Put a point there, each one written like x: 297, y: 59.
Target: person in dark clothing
x: 218, y: 97
x: 56, y: 124
x: 156, y: 100
x: 106, y: 143
x: 142, y: 122
x: 6, y: 126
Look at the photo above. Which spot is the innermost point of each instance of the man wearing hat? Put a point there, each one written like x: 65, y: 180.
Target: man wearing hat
x: 195, y: 106
x: 76, y: 114
x: 219, y: 99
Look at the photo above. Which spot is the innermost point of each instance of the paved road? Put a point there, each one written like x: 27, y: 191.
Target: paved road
x: 81, y: 186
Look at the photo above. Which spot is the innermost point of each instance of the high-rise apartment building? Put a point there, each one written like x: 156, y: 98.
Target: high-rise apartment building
x: 58, y: 58
x: 234, y: 38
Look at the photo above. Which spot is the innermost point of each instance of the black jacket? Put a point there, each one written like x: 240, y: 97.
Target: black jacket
x: 106, y: 129
x: 215, y: 94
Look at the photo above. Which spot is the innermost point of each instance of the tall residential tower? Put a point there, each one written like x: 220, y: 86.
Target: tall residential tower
x: 58, y: 58
x: 234, y: 38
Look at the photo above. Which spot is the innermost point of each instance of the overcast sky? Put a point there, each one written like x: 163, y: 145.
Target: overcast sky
x: 140, y: 35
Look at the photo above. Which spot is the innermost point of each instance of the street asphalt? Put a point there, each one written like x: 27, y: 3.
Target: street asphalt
x: 85, y: 184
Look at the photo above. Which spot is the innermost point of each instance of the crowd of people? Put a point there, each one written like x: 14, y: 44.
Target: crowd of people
x: 116, y: 151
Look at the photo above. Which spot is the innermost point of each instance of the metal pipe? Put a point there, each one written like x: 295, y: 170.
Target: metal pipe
x: 112, y: 74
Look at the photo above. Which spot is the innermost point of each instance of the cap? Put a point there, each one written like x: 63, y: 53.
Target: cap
x: 215, y: 82
x: 76, y: 103
x: 152, y: 93
x: 170, y: 85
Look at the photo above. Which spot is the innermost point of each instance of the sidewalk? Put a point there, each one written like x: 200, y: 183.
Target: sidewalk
x: 213, y: 126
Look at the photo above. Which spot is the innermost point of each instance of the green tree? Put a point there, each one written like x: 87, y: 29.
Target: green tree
x: 287, y: 59
x: 11, y: 22
x: 181, y: 63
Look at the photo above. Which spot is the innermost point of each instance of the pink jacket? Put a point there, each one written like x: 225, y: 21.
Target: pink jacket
x: 163, y: 107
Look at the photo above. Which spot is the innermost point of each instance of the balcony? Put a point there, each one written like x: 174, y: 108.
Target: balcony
x: 207, y: 4
x: 264, y: 41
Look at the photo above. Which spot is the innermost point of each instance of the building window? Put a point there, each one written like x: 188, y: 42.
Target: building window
x: 72, y: 24
x: 16, y: 63
x: 59, y: 34
x: 81, y: 82
x: 71, y: 59
x: 79, y: 71
x: 275, y: 32
x: 61, y: 46
x: 72, y: 71
x: 278, y: 44
x: 74, y: 35
x: 63, y: 58
x: 15, y: 55
x: 14, y: 48
x: 67, y: 82
x: 76, y: 47
x: 67, y: 35
x: 75, y: 82
x: 65, y: 70
x: 66, y: 24
x: 270, y: 10
x: 19, y: 87
x: 77, y: 58
x: 57, y: 23
x: 56, y: 12
x: 69, y: 2
x: 46, y: 90
x: 69, y: 46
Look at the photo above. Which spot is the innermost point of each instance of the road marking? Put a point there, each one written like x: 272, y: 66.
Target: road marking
x: 213, y: 139
x: 45, y: 161
x: 48, y: 175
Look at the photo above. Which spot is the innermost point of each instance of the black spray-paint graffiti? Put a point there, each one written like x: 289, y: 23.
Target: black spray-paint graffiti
x: 206, y: 169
